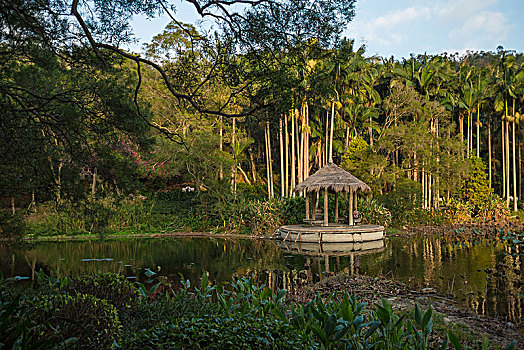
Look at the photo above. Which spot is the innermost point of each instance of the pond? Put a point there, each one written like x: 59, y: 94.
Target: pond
x: 482, y: 274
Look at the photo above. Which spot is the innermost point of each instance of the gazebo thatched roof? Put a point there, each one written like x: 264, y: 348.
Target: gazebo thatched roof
x: 332, y: 177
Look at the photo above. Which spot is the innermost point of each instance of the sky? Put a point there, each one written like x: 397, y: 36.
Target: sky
x: 404, y: 27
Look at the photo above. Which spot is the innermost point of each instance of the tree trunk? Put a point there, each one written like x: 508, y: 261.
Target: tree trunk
x: 93, y: 184
x: 331, y: 131
x: 306, y: 146
x: 478, y: 130
x: 326, y: 150
x: 287, y: 157
x: 508, y: 192
x: 282, y: 188
x: 423, y: 181
x: 221, y: 169
x: 514, y: 163
x: 293, y: 166
x: 469, y: 133
x: 253, y: 168
x: 233, y: 168
x: 271, y: 181
x: 300, y: 143
x: 246, y: 178
x: 13, y: 208
x: 503, y: 145
x: 268, y: 161
x: 520, y: 171
x: 489, y: 153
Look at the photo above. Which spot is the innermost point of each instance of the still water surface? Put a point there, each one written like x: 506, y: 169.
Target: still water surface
x: 483, y: 275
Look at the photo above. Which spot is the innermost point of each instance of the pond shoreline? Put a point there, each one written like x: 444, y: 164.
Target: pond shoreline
x: 406, y: 231
x: 142, y: 235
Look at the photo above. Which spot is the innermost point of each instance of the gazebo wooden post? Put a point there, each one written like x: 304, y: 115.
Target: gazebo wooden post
x: 325, y: 207
x: 307, y: 205
x: 356, y: 208
x: 336, y: 207
x: 350, y: 216
x: 314, y: 206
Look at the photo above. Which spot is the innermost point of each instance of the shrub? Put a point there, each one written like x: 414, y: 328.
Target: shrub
x: 373, y: 212
x: 493, y: 208
x: 293, y: 210
x: 114, y: 288
x: 11, y: 228
x: 92, y: 322
x: 402, y: 200
x: 162, y: 309
x: 220, y: 333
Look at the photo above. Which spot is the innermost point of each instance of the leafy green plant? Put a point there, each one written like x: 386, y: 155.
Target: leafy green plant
x: 114, y: 288
x: 92, y: 322
x: 220, y: 333
x: 16, y: 331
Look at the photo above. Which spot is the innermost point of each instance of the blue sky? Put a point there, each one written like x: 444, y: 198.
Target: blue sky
x: 402, y: 27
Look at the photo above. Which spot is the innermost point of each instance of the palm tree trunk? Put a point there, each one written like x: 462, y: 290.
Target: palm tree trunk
x: 326, y: 146
x: 469, y: 134
x: 331, y: 131
x: 253, y: 168
x: 287, y: 157
x: 508, y: 192
x: 293, y: 167
x: 478, y: 129
x: 282, y: 188
x: 423, y: 181
x: 503, y: 145
x: 300, y: 143
x: 306, y: 147
x: 266, y: 137
x: 489, y: 153
x: 520, y: 171
x: 514, y: 162
x: 271, y: 180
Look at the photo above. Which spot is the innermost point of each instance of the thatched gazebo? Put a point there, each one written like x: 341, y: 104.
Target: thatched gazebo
x: 334, y: 179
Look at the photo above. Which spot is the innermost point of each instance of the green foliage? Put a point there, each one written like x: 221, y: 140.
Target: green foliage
x: 361, y: 161
x: 372, y: 212
x: 16, y: 331
x: 294, y: 210
x: 114, y: 288
x: 12, y: 228
x: 91, y: 321
x: 475, y: 187
x: 402, y: 200
x: 220, y: 333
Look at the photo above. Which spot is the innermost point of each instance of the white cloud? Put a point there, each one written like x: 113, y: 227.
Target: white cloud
x: 415, y: 26
x: 392, y: 28
x: 457, y: 10
x: 483, y: 28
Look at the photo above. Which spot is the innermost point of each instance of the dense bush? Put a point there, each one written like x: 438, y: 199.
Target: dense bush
x: 114, y: 288
x: 220, y: 333
x: 373, y: 212
x: 90, y: 322
x: 12, y: 228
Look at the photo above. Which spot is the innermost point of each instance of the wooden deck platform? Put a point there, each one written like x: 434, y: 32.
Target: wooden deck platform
x: 334, y: 233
